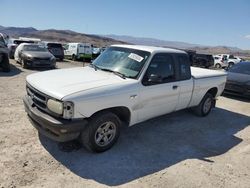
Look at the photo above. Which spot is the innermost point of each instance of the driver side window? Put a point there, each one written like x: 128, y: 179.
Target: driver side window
x: 161, y: 70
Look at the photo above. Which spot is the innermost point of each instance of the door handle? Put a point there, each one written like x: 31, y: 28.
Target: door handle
x: 133, y: 96
x: 175, y: 87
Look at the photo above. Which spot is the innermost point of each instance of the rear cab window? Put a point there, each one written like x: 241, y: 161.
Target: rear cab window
x: 184, y: 67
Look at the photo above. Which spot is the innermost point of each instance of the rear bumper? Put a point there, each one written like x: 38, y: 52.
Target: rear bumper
x: 60, y: 130
x: 59, y: 56
x: 87, y: 56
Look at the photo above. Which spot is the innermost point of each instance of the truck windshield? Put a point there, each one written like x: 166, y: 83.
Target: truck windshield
x: 128, y: 62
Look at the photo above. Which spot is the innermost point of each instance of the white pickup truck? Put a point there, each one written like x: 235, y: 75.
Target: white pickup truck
x: 125, y: 85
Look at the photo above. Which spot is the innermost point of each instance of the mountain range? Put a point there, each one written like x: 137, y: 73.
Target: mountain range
x: 65, y: 36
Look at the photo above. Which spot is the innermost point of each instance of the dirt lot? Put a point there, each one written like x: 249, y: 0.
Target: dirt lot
x: 176, y: 150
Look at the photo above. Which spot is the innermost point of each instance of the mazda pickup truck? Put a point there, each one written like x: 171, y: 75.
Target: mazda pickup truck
x: 125, y: 85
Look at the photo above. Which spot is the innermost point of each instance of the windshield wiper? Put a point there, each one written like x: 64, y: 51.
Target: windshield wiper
x: 115, y: 72
x: 94, y: 66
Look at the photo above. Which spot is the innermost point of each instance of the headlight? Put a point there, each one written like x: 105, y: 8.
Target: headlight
x: 28, y: 57
x: 66, y: 109
x: 55, y: 106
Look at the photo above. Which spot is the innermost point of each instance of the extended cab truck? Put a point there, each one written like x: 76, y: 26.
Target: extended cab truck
x: 126, y: 83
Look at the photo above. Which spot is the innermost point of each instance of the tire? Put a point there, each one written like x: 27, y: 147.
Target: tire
x: 230, y: 64
x: 5, y: 63
x: 23, y: 64
x: 205, y: 106
x: 218, y: 66
x: 95, y: 137
x: 73, y: 57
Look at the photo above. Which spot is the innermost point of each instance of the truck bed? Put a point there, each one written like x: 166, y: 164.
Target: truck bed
x: 199, y: 73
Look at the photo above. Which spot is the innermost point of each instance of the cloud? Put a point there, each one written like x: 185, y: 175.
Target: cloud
x: 247, y: 37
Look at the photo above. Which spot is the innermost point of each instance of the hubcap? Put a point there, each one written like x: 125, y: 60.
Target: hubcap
x: 105, y: 133
x: 207, y: 105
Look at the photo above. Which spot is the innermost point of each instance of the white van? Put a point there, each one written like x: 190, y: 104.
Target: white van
x: 78, y: 51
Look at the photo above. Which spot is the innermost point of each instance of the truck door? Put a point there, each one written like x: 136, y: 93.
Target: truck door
x: 185, y: 81
x: 159, y: 92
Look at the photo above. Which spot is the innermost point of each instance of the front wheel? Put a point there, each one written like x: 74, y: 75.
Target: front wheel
x: 23, y: 64
x: 205, y: 106
x: 102, y: 132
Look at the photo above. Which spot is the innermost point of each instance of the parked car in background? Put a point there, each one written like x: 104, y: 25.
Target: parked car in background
x: 231, y: 59
x: 203, y: 60
x: 238, y: 80
x: 55, y: 48
x: 125, y: 85
x: 78, y: 51
x: 200, y: 60
x: 220, y: 61
x: 95, y: 52
x: 13, y: 43
x: 34, y: 55
x: 4, y: 57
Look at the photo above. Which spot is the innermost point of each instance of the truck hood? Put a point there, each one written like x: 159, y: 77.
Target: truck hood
x: 63, y: 82
x: 237, y: 77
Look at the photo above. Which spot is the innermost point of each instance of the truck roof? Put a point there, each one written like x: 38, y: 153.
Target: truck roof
x: 150, y: 48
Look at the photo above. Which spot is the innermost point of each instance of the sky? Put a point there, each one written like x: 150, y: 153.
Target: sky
x: 210, y: 22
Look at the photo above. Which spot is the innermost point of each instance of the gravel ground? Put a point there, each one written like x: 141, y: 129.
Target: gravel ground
x: 175, y: 150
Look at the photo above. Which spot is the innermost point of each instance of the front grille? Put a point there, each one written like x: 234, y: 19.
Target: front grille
x: 40, y: 58
x: 235, y: 87
x: 39, y: 99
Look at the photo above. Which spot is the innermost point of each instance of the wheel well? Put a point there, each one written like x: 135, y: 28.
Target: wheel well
x: 122, y: 112
x: 213, y: 91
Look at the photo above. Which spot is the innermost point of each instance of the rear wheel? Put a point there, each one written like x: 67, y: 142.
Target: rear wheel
x: 102, y: 132
x: 73, y: 57
x: 230, y: 64
x: 218, y: 66
x: 205, y: 106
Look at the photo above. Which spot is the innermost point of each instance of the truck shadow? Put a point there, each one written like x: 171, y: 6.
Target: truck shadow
x: 14, y: 70
x: 239, y: 98
x: 155, y: 145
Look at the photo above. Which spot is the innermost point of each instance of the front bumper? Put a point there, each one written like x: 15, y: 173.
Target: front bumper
x: 60, y: 130
x: 38, y: 64
x: 237, y: 89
